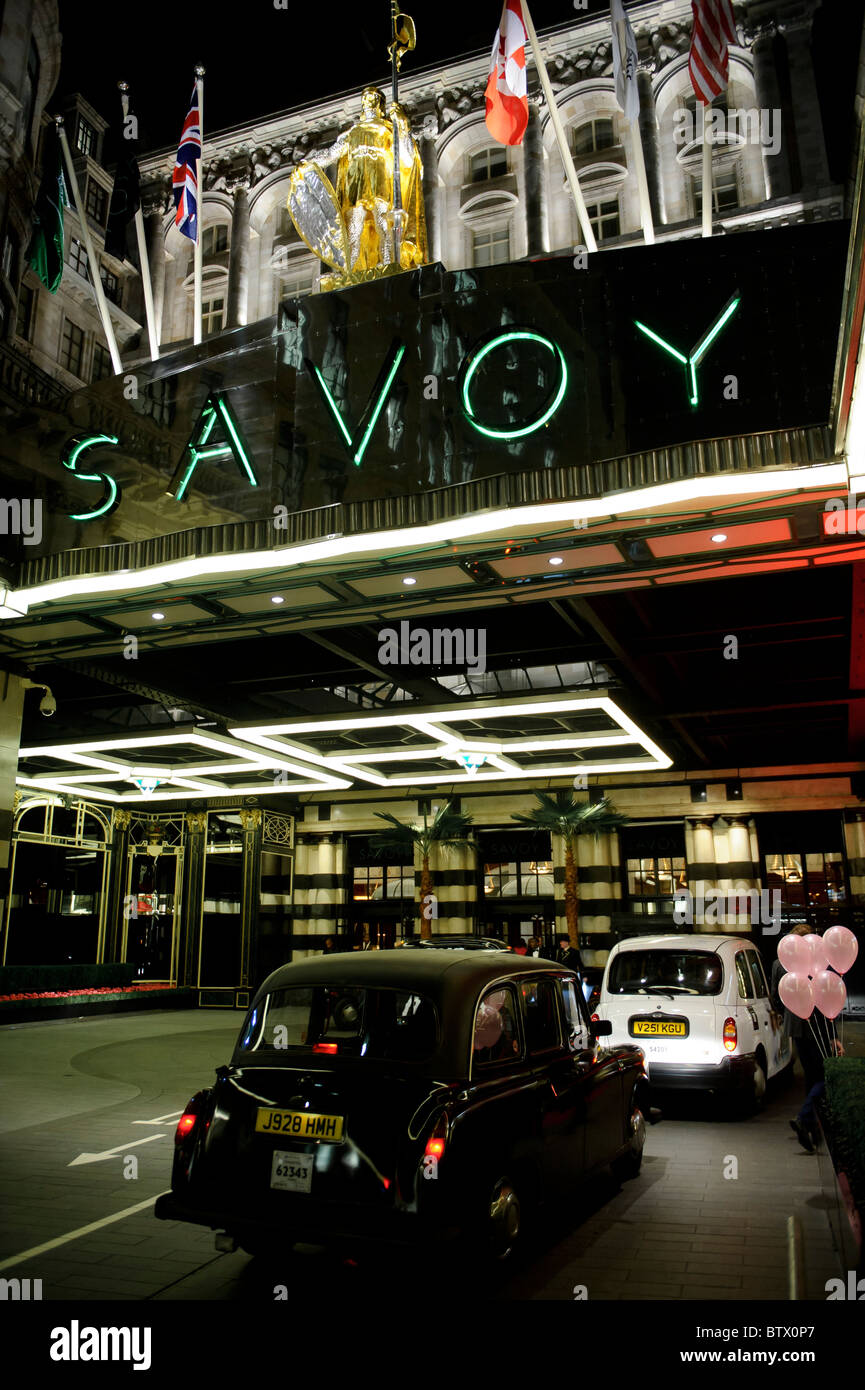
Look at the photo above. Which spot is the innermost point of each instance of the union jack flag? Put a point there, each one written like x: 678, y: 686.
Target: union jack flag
x: 184, y: 180
x: 709, y: 59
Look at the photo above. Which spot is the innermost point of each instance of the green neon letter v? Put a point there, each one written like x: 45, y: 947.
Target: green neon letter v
x: 356, y: 443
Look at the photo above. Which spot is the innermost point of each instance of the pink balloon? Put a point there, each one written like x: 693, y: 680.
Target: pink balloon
x: 841, y: 948
x: 796, y: 993
x: 489, y: 1026
x: 794, y: 954
x: 819, y: 959
x: 830, y: 993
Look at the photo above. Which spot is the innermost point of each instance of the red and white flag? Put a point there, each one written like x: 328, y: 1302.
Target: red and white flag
x: 709, y: 60
x: 507, y: 94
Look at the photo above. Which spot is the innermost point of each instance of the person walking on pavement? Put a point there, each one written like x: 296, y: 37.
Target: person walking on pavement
x: 569, y: 956
x: 807, y: 1051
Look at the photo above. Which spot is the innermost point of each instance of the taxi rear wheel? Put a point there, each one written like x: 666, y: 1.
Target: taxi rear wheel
x: 758, y: 1084
x: 629, y: 1163
x: 504, y: 1219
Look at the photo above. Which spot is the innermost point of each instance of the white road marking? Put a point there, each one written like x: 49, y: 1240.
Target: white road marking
x: 160, y: 1119
x: 112, y: 1153
x: 74, y: 1235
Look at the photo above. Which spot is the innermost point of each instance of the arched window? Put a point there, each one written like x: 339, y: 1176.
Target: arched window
x: 214, y: 240
x: 298, y: 278
x: 490, y: 163
x: 491, y: 246
x: 212, y: 315
x: 594, y: 135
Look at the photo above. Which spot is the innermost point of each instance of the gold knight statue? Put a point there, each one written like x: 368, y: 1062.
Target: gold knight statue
x: 361, y: 203
x: 363, y: 155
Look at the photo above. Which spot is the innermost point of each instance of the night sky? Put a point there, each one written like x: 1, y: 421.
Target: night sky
x: 260, y: 60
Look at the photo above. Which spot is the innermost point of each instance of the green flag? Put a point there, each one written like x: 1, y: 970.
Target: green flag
x: 45, y: 252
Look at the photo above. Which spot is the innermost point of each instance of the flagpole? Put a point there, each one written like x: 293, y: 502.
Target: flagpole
x: 397, y: 172
x: 643, y: 184
x: 92, y: 263
x: 143, y: 261
x: 707, y: 174
x: 196, y: 327
x: 561, y: 139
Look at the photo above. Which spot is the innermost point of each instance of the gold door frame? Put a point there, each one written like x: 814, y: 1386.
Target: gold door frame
x: 174, y: 852
x: 46, y: 837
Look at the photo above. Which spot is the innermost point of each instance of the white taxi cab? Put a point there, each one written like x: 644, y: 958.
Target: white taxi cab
x: 700, y: 1008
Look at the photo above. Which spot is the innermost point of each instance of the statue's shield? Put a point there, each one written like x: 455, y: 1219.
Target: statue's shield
x: 316, y: 214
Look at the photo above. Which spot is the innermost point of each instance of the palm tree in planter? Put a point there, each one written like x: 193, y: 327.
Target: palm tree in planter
x: 563, y: 815
x: 448, y: 828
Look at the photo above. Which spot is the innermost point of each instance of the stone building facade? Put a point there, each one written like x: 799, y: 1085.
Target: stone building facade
x: 487, y: 203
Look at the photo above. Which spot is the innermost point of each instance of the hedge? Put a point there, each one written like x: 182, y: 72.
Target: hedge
x: 34, y: 979
x: 845, y: 1098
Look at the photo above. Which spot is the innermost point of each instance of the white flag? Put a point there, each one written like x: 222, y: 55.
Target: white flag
x: 625, y: 62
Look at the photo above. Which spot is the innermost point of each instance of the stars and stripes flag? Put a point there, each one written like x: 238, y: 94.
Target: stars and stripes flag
x: 709, y: 60
x: 184, y: 180
x: 507, y: 93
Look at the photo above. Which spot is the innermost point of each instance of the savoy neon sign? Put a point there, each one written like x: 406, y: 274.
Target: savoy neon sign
x: 217, y: 436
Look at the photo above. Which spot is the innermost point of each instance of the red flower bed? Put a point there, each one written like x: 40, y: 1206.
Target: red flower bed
x: 80, y: 993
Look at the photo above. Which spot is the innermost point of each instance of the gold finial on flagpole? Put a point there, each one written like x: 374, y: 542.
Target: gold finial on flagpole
x: 404, y: 35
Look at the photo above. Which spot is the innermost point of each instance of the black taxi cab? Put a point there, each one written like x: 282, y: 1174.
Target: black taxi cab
x: 399, y: 1095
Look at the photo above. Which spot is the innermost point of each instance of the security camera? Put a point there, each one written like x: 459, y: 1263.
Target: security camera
x: 48, y: 704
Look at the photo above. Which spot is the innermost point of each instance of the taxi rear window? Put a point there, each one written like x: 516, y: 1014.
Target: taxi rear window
x: 372, y: 1023
x: 666, y: 972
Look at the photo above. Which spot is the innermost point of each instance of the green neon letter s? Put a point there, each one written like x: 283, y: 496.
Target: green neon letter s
x: 73, y: 453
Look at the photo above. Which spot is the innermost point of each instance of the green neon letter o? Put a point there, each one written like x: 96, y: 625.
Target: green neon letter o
x: 550, y: 406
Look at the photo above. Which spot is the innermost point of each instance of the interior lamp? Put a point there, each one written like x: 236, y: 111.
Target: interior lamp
x: 147, y: 779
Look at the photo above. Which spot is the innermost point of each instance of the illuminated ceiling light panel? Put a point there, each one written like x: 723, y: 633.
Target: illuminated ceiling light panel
x: 763, y: 482
x: 500, y: 756
x: 96, y: 771
x: 695, y: 542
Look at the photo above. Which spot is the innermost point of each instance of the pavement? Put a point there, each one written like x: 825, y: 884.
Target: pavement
x: 87, y: 1115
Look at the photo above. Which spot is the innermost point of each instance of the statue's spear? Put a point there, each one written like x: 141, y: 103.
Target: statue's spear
x: 403, y: 42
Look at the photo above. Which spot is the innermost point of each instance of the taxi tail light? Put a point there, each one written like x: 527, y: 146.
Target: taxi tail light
x: 730, y: 1035
x: 596, y: 1018
x: 330, y: 1048
x: 435, y: 1144
x: 188, y: 1121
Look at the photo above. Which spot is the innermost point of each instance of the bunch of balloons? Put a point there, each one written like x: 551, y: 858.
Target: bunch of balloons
x: 809, y: 984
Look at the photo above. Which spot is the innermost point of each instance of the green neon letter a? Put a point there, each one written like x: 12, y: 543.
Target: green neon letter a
x: 216, y: 418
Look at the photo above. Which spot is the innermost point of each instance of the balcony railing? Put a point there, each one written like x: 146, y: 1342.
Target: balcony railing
x: 23, y: 383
